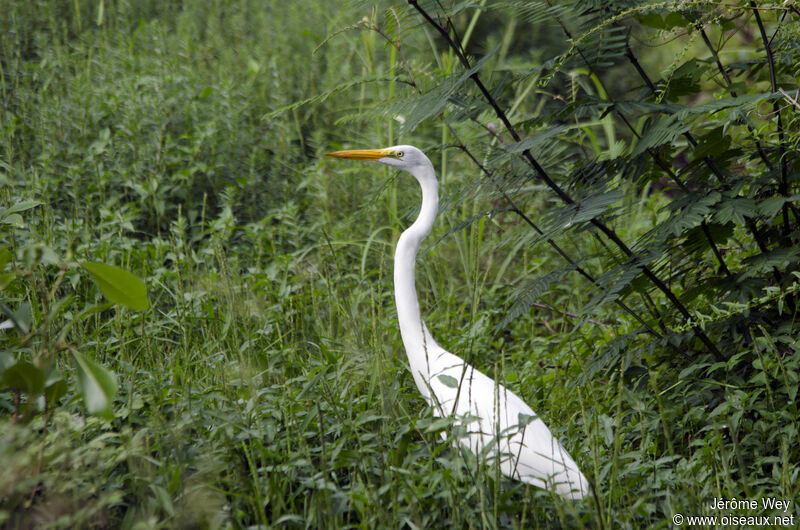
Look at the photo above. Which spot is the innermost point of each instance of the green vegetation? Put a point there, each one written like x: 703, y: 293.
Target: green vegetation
x: 618, y: 243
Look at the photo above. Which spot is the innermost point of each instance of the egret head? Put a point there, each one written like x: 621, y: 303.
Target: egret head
x: 405, y: 157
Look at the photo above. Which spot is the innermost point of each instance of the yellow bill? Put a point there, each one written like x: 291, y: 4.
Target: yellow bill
x: 361, y: 154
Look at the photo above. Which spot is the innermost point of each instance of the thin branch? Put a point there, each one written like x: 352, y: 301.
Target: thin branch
x: 793, y: 101
x: 783, y: 187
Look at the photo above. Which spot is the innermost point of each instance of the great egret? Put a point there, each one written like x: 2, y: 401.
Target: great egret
x: 495, y: 419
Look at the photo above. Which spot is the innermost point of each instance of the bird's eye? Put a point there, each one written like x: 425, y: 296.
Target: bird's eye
x: 398, y: 154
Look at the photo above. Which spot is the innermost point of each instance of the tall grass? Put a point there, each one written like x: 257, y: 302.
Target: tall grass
x: 267, y: 386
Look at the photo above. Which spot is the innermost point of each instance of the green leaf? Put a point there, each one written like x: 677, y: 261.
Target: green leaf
x: 766, y: 261
x: 13, y: 219
x: 433, y: 102
x: 771, y: 206
x: 24, y: 376
x: 22, y: 206
x: 735, y: 209
x: 538, y: 140
x: 327, y: 94
x: 746, y: 101
x: 207, y: 92
x: 118, y: 285
x: 96, y: 385
x: 449, y: 380
x: 438, y: 424
x: 697, y: 241
x: 524, y: 419
x: 11, y: 216
x: 582, y: 211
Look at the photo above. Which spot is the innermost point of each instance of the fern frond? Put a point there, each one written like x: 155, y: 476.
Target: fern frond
x: 419, y: 108
x: 660, y: 131
x: 535, y: 13
x: 572, y: 216
x: 531, y: 292
x: 611, y: 283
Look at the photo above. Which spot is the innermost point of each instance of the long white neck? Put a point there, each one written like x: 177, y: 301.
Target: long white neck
x: 416, y: 339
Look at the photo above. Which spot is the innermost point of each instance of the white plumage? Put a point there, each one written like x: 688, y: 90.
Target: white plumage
x: 497, y: 421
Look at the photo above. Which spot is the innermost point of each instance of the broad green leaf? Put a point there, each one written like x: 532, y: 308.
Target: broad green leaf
x: 22, y: 206
x: 96, y: 385
x: 119, y: 285
x: 24, y: 376
x: 13, y: 219
x: 449, y: 380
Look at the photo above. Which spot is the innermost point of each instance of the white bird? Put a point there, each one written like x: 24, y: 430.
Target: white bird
x: 495, y: 419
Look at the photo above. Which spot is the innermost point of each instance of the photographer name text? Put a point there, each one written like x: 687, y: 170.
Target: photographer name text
x: 766, y: 503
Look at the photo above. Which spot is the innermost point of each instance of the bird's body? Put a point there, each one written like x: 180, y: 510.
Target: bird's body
x: 498, y: 423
